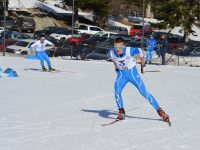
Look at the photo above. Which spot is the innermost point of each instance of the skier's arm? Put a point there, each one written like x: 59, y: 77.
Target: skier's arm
x: 109, y: 55
x: 142, y: 59
x: 116, y: 69
x: 138, y: 51
x: 33, y: 46
x: 49, y: 43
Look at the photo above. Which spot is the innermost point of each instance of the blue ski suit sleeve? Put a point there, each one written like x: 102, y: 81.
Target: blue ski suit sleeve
x: 136, y: 51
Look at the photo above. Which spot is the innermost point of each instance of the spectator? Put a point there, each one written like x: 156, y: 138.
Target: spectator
x: 151, y: 45
x: 163, y: 47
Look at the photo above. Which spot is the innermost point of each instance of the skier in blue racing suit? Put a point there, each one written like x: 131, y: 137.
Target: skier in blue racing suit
x: 125, y: 66
x: 39, y: 47
x: 152, y: 44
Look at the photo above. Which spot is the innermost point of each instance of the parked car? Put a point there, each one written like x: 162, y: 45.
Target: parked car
x: 136, y: 30
x: 184, y: 51
x: 7, y: 43
x: 1, y: 29
x: 84, y: 28
x: 64, y: 34
x: 22, y: 47
x: 117, y: 29
x: 105, y: 34
x: 195, y: 52
x: 13, y: 35
x: 25, y: 24
x: 83, y: 50
x: 94, y: 40
x: 193, y: 43
x: 76, y: 40
x: 9, y: 24
x: 135, y: 19
x: 66, y: 49
x: 157, y: 34
x: 47, y: 31
x: 137, y: 42
x: 98, y: 54
x: 124, y: 36
x: 175, y: 43
x: 55, y: 41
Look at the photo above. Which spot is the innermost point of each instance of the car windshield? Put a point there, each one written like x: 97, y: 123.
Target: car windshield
x: 22, y: 43
x: 137, y: 26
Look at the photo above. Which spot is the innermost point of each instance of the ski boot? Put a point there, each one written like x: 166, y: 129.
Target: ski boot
x: 164, y: 116
x: 51, y: 69
x: 43, y: 68
x: 121, y: 114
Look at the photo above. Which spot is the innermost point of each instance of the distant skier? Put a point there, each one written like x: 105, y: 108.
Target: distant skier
x: 39, y: 47
x: 125, y: 66
x: 151, y: 45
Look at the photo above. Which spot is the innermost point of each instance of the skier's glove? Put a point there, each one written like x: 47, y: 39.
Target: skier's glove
x: 142, y: 69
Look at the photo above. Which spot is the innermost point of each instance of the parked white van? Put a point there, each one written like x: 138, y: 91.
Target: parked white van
x: 84, y: 28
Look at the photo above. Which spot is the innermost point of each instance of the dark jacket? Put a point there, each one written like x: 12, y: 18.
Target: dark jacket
x: 163, y: 46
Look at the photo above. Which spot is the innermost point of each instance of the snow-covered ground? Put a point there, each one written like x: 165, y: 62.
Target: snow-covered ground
x: 59, y: 111
x: 21, y: 4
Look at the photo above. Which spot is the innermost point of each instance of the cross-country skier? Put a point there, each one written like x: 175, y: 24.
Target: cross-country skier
x: 125, y: 66
x: 39, y: 47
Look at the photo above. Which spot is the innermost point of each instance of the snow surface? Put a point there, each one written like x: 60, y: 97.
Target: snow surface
x: 64, y: 111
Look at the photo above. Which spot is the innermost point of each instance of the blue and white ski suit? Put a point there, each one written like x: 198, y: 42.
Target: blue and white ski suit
x: 128, y: 73
x: 40, y: 51
x: 150, y: 49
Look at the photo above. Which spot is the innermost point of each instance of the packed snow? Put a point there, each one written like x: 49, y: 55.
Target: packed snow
x: 21, y: 4
x: 65, y: 110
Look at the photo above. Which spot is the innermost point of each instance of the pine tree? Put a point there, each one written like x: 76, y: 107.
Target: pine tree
x: 99, y: 7
x: 184, y: 13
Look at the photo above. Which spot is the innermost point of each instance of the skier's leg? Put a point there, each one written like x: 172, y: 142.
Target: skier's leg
x: 163, y: 58
x: 46, y: 57
x: 147, y: 56
x: 39, y: 56
x: 151, y: 55
x: 120, y: 82
x: 135, y: 79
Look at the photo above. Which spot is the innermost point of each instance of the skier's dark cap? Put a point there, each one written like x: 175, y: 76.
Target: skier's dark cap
x: 42, y: 35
